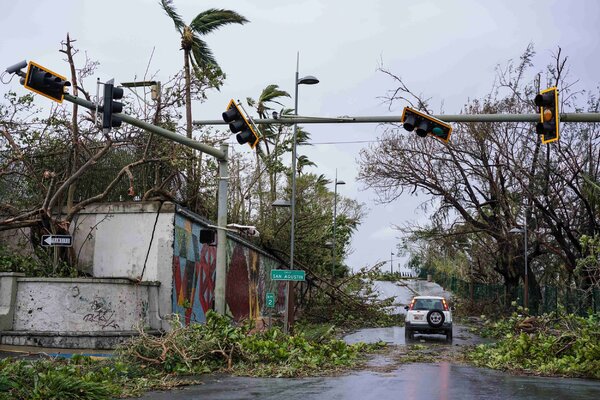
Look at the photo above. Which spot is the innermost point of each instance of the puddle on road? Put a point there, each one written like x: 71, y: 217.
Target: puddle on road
x: 395, y: 336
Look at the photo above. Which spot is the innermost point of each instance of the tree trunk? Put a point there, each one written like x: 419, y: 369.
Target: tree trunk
x: 190, y: 184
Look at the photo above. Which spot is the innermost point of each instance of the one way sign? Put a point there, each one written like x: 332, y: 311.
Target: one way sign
x: 57, y: 240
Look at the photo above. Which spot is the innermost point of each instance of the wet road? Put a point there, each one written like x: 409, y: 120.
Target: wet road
x: 409, y: 382
x: 385, y: 379
x: 395, y: 336
x: 404, y: 290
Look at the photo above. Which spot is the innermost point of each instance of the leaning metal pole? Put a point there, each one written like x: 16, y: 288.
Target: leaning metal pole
x: 221, y: 155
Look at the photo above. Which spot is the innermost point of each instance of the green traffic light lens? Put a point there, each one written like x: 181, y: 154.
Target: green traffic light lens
x: 437, y: 131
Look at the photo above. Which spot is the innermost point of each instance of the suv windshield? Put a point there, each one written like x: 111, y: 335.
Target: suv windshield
x: 428, y: 304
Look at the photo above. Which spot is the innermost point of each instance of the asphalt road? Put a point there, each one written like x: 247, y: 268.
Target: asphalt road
x: 384, y: 378
x: 443, y: 381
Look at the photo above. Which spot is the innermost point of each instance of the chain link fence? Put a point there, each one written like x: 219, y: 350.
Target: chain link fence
x: 550, y: 298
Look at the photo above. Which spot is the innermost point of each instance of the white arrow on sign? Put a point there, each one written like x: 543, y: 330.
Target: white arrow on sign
x: 57, y: 240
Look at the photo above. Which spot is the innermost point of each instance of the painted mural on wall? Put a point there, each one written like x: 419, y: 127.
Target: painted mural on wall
x: 248, y: 277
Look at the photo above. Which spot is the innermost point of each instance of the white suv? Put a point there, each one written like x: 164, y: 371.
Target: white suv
x: 428, y: 314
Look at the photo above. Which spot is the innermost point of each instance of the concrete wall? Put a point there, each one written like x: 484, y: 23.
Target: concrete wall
x: 115, y: 239
x: 8, y: 298
x: 84, y: 305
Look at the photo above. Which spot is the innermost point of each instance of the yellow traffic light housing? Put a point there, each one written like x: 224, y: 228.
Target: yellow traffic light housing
x: 45, y: 82
x: 548, y: 127
x: 425, y: 124
x: 238, y: 123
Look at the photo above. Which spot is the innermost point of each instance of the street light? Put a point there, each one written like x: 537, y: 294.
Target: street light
x: 281, y: 203
x: 335, y: 222
x: 391, y: 262
x: 525, y: 277
x: 307, y: 80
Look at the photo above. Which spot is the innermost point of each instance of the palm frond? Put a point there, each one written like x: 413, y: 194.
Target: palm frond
x: 272, y: 92
x: 212, y: 19
x: 302, y: 162
x: 302, y: 137
x: 322, y: 180
x: 202, y: 56
x: 167, y: 5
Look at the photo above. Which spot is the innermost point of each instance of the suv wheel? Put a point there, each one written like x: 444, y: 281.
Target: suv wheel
x: 435, y: 318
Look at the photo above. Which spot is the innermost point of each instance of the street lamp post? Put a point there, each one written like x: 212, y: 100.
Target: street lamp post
x: 525, y: 277
x: 391, y: 263
x: 333, y: 263
x: 307, y: 80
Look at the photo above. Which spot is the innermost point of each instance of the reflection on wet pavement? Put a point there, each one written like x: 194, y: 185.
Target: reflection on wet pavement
x: 395, y: 336
x: 409, y: 382
x: 386, y: 379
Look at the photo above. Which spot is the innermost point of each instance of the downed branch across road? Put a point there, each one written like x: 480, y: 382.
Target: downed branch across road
x: 175, y: 358
x: 551, y: 344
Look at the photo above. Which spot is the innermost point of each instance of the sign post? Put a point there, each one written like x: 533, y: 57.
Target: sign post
x: 287, y: 275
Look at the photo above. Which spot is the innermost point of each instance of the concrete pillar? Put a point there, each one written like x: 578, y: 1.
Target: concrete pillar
x: 8, y: 297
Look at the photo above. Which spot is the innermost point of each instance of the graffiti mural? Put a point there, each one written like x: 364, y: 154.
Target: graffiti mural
x: 193, y: 272
x: 248, y: 277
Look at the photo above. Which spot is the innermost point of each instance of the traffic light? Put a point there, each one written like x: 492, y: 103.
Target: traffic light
x: 110, y: 107
x: 45, y: 82
x: 208, y: 236
x: 425, y: 124
x: 239, y: 124
x: 547, y: 128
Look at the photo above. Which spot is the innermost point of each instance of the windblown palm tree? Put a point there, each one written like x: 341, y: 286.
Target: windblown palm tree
x: 195, y: 50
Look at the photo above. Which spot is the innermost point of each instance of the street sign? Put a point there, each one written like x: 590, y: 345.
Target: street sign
x: 270, y: 300
x: 57, y: 240
x: 288, y: 275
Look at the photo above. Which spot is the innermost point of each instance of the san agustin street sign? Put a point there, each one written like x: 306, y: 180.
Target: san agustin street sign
x: 288, y: 275
x: 57, y: 240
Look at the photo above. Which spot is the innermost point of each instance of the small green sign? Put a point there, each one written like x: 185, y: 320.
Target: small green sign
x: 288, y: 275
x: 270, y: 300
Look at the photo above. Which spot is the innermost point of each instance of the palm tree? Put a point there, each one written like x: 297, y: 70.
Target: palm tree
x: 268, y: 97
x: 195, y: 50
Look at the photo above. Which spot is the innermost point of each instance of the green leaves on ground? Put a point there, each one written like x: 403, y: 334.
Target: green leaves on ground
x: 149, y: 362
x: 551, y: 344
x: 217, y: 345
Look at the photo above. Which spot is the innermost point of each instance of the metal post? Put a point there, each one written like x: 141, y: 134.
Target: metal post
x: 293, y: 200
x: 525, y: 277
x: 333, y: 262
x: 194, y: 144
x: 221, y: 267
x: 378, y: 119
x: 391, y: 263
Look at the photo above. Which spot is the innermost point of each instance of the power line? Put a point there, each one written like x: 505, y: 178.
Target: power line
x: 348, y: 142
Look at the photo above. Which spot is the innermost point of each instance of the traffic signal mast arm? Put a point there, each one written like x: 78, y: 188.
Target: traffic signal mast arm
x: 567, y: 117
x: 194, y: 144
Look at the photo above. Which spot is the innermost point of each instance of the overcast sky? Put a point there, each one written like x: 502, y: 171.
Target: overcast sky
x: 445, y: 49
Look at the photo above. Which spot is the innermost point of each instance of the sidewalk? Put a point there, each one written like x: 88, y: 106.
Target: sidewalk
x: 31, y: 352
